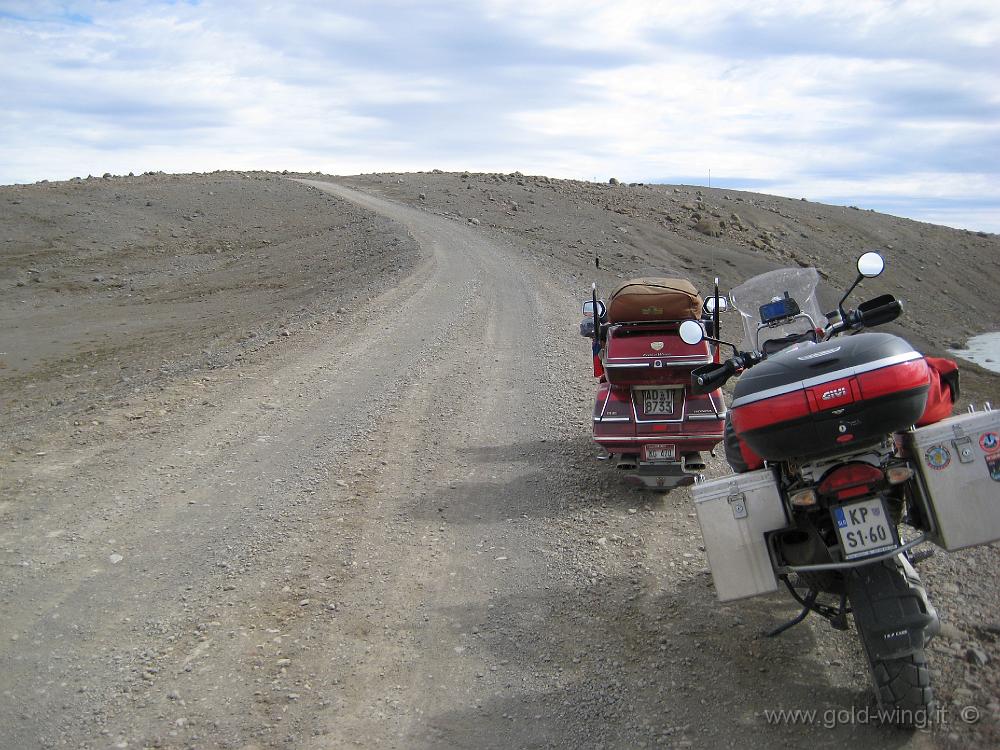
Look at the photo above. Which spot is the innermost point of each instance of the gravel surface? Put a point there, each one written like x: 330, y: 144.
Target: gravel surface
x: 387, y: 528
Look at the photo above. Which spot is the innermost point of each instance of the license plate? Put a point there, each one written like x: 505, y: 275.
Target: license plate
x: 864, y: 528
x: 657, y: 401
x: 660, y: 452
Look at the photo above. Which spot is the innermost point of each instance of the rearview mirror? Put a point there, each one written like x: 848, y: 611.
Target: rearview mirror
x: 871, y: 265
x: 710, y: 303
x: 691, y: 332
x: 588, y: 309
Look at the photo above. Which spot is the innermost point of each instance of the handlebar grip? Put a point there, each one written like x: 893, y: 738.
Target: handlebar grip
x: 882, y: 314
x: 710, y: 377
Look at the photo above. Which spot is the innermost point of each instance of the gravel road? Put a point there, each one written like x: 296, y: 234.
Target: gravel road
x: 392, y: 533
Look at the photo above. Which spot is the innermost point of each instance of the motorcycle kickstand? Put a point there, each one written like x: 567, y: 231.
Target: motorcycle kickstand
x: 806, y: 609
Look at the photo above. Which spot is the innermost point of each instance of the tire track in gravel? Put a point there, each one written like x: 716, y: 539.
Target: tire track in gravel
x: 443, y: 532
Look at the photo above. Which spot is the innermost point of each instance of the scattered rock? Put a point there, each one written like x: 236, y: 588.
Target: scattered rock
x: 709, y: 228
x: 974, y: 654
x: 949, y: 632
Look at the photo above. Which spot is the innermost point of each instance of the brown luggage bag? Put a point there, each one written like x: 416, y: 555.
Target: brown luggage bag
x: 654, y: 299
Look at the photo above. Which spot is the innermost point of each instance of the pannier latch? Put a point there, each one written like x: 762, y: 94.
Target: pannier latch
x: 738, y: 502
x: 963, y: 446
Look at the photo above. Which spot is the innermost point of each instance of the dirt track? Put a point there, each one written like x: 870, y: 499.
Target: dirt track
x: 388, y: 530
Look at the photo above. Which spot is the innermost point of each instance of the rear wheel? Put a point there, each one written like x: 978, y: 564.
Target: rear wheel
x: 902, y: 681
x: 903, y: 687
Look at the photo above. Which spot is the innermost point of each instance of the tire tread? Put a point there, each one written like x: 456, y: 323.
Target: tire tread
x: 904, y: 683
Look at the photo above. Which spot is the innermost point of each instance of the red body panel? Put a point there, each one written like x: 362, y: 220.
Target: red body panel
x: 637, y: 357
x: 820, y: 398
x: 621, y: 426
x: 817, y: 416
x: 943, y: 391
x: 648, y: 355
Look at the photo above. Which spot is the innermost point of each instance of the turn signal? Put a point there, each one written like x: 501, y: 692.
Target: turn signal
x: 804, y: 498
x: 899, y: 474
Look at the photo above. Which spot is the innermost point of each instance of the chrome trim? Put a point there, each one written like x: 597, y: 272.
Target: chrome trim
x: 604, y: 406
x: 666, y: 362
x: 612, y: 419
x: 800, y: 385
x: 878, y: 364
x: 664, y: 438
x: 688, y: 363
x: 722, y: 397
x: 713, y: 417
x: 817, y: 355
x: 785, y: 569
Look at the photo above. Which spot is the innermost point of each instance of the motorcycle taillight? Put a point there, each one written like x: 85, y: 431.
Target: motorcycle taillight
x: 851, y: 480
x: 887, y: 380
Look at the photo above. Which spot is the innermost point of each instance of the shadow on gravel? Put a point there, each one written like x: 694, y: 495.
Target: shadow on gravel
x: 527, y: 495
x: 609, y: 666
x: 522, y: 496
x: 573, y: 461
x: 541, y: 479
x: 534, y: 453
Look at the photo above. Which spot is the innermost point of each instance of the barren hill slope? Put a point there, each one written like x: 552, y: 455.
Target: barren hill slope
x: 948, y: 279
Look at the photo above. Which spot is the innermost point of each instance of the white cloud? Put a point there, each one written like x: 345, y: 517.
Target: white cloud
x: 886, y: 99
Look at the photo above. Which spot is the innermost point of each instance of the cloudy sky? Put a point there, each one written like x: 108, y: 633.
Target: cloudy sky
x: 887, y: 105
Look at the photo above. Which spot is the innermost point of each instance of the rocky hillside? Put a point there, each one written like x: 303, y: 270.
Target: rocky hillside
x: 948, y: 279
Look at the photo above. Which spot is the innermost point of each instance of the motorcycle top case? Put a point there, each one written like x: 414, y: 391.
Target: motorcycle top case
x: 735, y: 513
x: 649, y: 299
x: 959, y: 464
x: 650, y: 355
x: 823, y: 399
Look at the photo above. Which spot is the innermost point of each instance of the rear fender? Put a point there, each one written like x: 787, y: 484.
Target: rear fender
x: 891, y: 607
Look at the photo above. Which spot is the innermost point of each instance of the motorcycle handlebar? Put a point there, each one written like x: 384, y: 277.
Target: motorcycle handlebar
x: 710, y: 377
x: 885, y: 313
x: 875, y: 312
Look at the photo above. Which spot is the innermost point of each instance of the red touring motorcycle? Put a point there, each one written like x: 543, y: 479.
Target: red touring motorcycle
x: 849, y: 461
x: 646, y: 417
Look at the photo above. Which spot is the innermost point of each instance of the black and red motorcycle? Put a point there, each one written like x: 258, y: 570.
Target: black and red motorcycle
x: 836, y: 487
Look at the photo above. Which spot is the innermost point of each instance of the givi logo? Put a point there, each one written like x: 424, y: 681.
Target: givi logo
x: 828, y: 396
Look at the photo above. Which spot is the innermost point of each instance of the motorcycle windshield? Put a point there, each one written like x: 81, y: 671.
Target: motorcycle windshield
x: 799, y: 284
